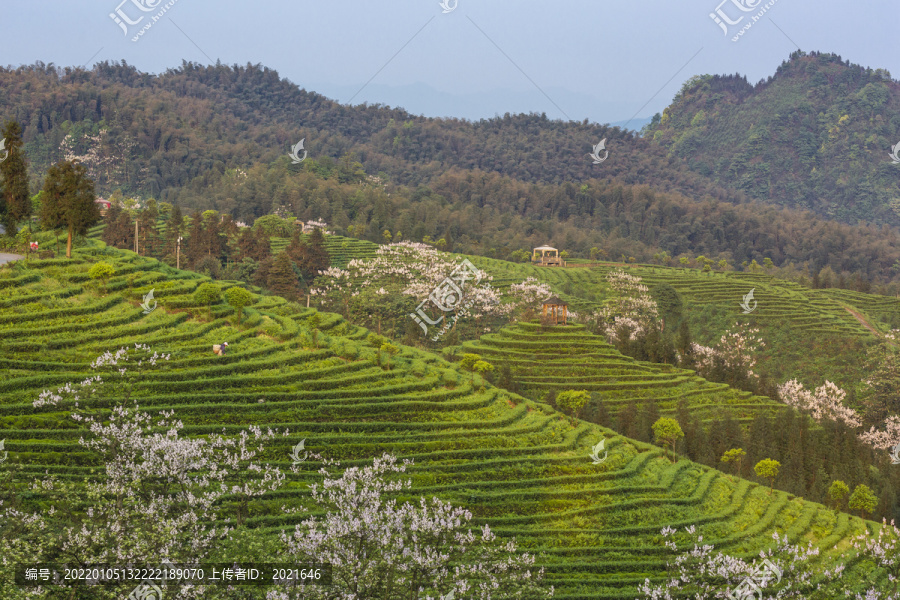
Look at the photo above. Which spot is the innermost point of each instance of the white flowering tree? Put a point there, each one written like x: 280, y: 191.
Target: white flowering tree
x: 883, y: 439
x: 632, y: 313
x: 825, y: 403
x: 379, y: 548
x: 158, y: 496
x: 406, y: 274
x: 733, y: 358
x: 783, y: 571
x: 526, y: 296
x: 117, y: 372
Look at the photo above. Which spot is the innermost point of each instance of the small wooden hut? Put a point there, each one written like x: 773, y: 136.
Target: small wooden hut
x: 549, y: 257
x: 558, y: 310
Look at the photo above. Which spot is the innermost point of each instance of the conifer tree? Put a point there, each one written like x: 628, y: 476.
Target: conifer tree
x: 318, y: 257
x: 125, y: 230
x: 15, y: 202
x: 192, y: 247
x: 147, y: 229
x: 68, y: 201
x: 174, y: 230
x: 281, y: 279
x: 684, y: 341
x: 212, y: 239
x: 262, y: 246
x: 246, y: 244
x: 111, y: 234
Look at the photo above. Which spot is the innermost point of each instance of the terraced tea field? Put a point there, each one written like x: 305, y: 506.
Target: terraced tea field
x: 779, y: 301
x: 569, y: 357
x: 516, y: 464
x: 341, y: 249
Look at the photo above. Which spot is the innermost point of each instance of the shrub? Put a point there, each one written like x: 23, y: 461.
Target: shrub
x: 468, y: 361
x: 768, y: 469
x: 102, y: 271
x: 734, y: 455
x: 238, y: 298
x: 838, y: 491
x: 668, y: 432
x: 863, y: 500
x: 572, y: 401
x: 209, y: 266
x: 207, y: 294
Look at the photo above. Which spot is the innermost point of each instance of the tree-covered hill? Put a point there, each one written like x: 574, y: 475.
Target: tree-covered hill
x: 816, y: 135
x: 162, y: 135
x: 217, y: 137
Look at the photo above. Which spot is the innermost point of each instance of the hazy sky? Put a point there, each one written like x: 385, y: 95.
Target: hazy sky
x: 604, y: 60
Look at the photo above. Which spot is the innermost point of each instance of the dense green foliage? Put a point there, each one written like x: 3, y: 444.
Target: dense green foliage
x: 15, y: 201
x: 817, y: 135
x: 68, y: 201
x: 488, y: 188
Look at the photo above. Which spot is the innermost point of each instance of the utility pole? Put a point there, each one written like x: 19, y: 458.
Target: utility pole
x: 178, y: 253
x: 136, y: 236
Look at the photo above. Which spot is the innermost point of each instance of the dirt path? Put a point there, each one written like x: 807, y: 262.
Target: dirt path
x: 864, y: 323
x: 5, y: 258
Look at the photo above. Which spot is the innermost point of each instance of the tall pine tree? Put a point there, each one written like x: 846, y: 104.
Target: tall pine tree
x: 318, y: 258
x: 15, y: 203
x: 281, y: 278
x: 174, y: 230
x: 68, y: 201
x: 192, y: 248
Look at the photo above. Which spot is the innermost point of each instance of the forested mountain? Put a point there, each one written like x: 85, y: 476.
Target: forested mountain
x: 816, y: 135
x: 154, y: 135
x: 217, y: 137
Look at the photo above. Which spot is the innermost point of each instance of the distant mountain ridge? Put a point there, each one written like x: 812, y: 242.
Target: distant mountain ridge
x: 218, y: 137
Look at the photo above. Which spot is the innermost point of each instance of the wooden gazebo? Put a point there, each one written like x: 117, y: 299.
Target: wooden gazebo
x: 558, y: 310
x: 549, y: 257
